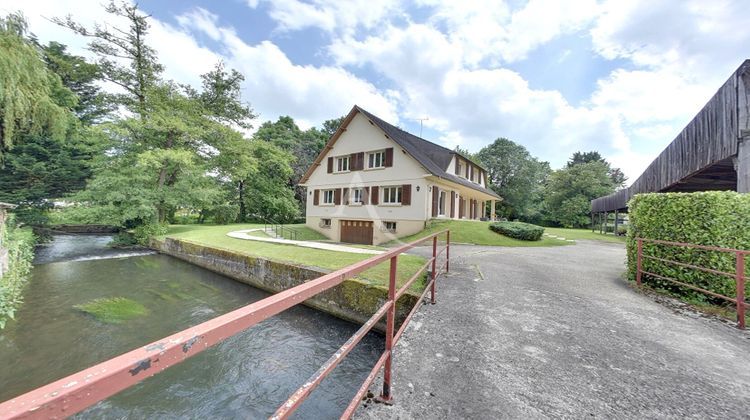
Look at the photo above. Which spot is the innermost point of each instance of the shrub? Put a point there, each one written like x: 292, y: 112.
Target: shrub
x: 518, y: 230
x: 144, y: 233
x: 20, y: 245
x: 716, y: 218
x: 225, y: 213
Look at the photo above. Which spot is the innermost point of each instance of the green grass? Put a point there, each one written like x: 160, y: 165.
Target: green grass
x: 215, y: 236
x: 586, y: 234
x: 476, y: 233
x: 113, y: 310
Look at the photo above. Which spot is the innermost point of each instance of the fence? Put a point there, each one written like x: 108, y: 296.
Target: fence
x: 76, y: 392
x: 738, y: 275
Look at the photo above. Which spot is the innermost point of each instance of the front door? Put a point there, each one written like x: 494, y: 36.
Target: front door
x: 356, y: 231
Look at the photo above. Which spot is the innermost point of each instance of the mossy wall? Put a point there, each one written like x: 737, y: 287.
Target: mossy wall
x: 352, y: 300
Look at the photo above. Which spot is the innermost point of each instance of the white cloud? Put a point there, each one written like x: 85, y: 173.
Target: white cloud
x: 332, y: 16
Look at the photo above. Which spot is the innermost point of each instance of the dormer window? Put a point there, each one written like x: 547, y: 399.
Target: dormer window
x: 376, y: 159
x: 342, y: 164
x: 460, y: 169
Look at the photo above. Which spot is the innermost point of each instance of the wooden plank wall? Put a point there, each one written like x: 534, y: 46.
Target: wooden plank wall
x: 710, y: 137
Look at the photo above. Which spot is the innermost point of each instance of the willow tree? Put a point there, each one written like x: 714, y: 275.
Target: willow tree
x: 33, y: 99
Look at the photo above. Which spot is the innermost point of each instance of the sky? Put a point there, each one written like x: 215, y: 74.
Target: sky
x: 619, y: 77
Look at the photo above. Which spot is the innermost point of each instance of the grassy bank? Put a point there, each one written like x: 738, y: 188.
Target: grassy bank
x: 476, y: 233
x: 216, y: 236
x: 20, y: 246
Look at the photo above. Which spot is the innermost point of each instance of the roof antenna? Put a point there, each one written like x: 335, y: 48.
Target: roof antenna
x: 421, y: 121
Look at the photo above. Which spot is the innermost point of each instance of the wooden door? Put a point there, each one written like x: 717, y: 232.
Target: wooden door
x: 356, y: 231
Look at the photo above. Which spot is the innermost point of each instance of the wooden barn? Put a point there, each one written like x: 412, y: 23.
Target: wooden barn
x: 711, y: 153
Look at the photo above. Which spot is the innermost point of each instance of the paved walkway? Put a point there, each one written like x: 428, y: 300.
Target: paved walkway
x: 556, y: 332
x: 243, y: 234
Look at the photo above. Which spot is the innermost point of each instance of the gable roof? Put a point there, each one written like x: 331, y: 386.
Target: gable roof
x: 434, y: 158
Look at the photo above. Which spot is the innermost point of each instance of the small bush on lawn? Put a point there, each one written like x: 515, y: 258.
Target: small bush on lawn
x: 518, y: 230
x: 715, y: 218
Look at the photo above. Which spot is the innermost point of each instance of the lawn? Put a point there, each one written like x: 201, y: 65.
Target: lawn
x: 215, y: 236
x: 584, y: 234
x: 476, y: 233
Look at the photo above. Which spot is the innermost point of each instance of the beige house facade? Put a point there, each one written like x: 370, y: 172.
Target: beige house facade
x: 374, y: 182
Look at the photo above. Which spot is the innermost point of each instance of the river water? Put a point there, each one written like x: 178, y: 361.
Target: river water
x: 247, y: 376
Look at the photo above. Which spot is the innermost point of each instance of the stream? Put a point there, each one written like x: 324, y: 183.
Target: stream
x: 246, y: 376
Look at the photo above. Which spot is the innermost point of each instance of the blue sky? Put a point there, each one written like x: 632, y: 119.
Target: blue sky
x: 619, y: 77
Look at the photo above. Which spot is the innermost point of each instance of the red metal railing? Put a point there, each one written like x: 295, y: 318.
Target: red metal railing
x: 76, y: 392
x: 738, y: 275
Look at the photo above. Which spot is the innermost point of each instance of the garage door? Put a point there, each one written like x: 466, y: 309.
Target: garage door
x: 356, y: 232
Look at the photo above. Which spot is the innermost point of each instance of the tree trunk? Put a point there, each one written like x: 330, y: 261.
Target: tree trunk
x: 241, y: 217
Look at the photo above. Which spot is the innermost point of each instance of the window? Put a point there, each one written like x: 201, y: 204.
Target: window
x: 356, y: 196
x: 328, y: 197
x: 389, y: 227
x: 325, y: 223
x: 342, y: 164
x: 441, y: 204
x: 391, y: 195
x: 376, y: 159
x: 461, y: 171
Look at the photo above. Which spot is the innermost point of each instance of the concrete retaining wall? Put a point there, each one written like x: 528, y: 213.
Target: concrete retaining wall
x: 352, y: 300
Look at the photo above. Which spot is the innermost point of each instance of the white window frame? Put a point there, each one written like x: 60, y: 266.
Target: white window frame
x: 392, y: 195
x: 325, y: 223
x: 461, y: 169
x: 343, y: 164
x: 326, y: 195
x: 372, y: 158
x: 442, y: 199
x: 389, y: 229
x: 356, y: 196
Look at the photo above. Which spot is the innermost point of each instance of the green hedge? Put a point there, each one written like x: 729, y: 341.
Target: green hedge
x: 518, y: 230
x: 716, y: 218
x: 20, y: 245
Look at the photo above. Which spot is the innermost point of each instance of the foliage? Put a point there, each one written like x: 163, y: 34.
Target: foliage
x: 20, y: 245
x: 113, y: 310
x: 518, y: 230
x: 569, y: 191
x: 123, y: 240
x: 223, y: 214
x: 33, y: 99
x: 476, y: 233
x: 616, y: 175
x: 272, y: 199
x: 517, y: 177
x: 703, y: 218
x: 143, y: 233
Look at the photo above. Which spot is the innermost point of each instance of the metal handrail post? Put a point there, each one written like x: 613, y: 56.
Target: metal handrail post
x: 386, y: 396
x: 740, y: 279
x: 639, y: 268
x: 433, y: 274
x: 447, y: 251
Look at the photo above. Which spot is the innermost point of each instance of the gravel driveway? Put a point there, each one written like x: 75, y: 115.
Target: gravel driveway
x: 557, y: 332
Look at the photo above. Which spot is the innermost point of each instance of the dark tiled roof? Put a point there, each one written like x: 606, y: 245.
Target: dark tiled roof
x: 433, y: 157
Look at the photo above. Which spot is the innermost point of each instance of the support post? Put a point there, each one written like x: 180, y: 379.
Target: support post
x: 386, y: 397
x: 593, y: 224
x: 616, y: 216
x: 740, y: 296
x: 639, y: 262
x: 742, y: 164
x: 434, y: 265
x: 492, y: 210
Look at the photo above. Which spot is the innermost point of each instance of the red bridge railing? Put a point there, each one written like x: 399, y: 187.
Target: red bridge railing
x: 738, y: 275
x: 78, y: 391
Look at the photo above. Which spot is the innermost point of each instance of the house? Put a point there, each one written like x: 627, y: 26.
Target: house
x: 374, y: 182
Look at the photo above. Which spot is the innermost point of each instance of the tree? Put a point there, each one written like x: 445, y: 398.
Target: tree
x: 569, y: 192
x: 616, y: 174
x: 517, y: 177
x: 330, y: 126
x: 114, y: 46
x: 80, y: 77
x: 33, y: 99
x: 272, y: 198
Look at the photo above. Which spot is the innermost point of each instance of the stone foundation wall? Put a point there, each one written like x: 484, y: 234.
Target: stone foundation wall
x: 352, y: 300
